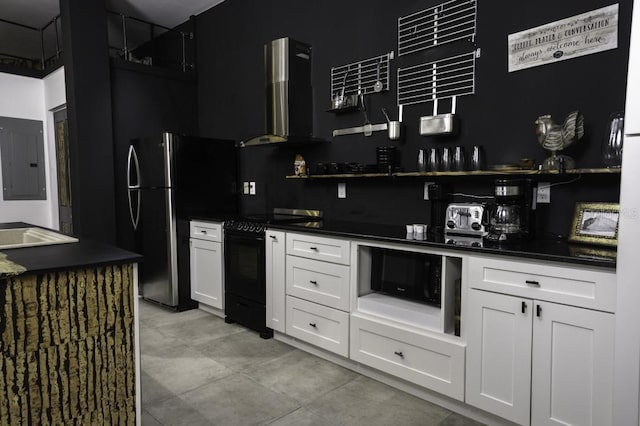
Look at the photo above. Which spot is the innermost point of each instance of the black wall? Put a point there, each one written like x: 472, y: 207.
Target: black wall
x: 146, y: 102
x: 499, y: 116
x: 87, y: 80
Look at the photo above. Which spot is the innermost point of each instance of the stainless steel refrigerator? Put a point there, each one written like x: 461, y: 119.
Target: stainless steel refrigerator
x: 171, y: 178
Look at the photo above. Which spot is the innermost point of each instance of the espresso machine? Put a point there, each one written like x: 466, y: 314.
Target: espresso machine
x: 512, y: 217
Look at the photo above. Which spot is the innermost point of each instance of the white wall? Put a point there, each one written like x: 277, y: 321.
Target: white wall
x: 54, y: 100
x: 32, y: 98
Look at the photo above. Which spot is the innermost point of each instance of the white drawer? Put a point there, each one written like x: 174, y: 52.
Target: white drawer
x: 210, y: 231
x: 319, y: 248
x: 319, y: 282
x: 583, y: 286
x: 316, y: 324
x: 418, y: 358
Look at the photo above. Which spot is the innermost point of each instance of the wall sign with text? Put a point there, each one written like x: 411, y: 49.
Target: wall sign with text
x: 569, y: 38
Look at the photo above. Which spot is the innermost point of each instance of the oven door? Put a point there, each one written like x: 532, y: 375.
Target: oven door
x: 244, y: 256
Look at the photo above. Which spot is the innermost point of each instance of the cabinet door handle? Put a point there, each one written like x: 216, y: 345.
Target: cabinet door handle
x: 313, y: 324
x: 532, y: 282
x: 524, y: 307
x: 314, y: 282
x: 313, y: 248
x: 273, y: 237
x: 538, y: 310
x: 400, y: 354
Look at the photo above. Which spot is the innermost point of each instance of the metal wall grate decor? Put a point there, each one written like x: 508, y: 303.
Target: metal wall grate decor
x: 441, y: 79
x: 447, y: 22
x: 363, y: 77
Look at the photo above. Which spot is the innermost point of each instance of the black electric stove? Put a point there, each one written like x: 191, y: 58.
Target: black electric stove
x: 244, y: 256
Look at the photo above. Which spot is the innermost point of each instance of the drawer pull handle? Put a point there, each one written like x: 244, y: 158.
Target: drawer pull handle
x: 400, y: 354
x: 313, y: 248
x: 273, y: 237
x: 532, y: 282
x: 204, y: 232
x: 313, y: 324
x: 314, y: 282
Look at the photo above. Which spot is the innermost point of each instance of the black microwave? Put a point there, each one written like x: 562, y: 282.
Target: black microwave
x: 410, y: 275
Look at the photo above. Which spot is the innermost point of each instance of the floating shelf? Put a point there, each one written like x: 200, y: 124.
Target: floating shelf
x: 465, y: 173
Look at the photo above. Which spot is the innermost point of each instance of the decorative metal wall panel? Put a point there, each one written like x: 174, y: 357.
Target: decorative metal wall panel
x: 447, y: 22
x: 360, y: 77
x: 441, y: 79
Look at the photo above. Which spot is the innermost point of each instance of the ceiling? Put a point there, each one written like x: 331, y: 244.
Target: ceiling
x: 38, y: 13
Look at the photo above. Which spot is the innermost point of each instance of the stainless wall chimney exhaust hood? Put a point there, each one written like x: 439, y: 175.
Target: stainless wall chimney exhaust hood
x: 289, y: 100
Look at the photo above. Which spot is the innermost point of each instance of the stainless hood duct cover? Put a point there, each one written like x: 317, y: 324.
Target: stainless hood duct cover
x: 289, y: 101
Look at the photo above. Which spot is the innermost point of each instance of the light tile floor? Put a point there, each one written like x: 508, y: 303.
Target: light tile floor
x: 198, y: 370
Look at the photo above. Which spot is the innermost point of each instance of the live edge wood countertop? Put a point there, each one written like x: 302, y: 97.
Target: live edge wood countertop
x: 67, y: 335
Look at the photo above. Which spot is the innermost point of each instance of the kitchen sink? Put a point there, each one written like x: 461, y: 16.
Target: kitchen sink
x: 32, y: 236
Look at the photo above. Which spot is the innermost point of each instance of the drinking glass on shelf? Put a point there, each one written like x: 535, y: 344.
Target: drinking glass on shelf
x: 445, y: 160
x: 478, y: 158
x: 433, y: 161
x: 422, y: 160
x: 458, y: 163
x: 612, y: 143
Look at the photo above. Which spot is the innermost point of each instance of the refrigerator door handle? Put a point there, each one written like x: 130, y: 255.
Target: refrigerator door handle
x: 134, y: 220
x: 132, y: 159
x: 133, y: 156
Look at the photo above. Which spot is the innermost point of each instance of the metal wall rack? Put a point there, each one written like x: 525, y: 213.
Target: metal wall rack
x: 441, y: 79
x: 445, y: 23
x: 360, y: 77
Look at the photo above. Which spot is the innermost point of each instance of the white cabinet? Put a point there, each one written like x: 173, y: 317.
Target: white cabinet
x: 572, y: 366
x: 206, y: 263
x: 417, y: 356
x: 318, y: 248
x: 275, y: 279
x: 587, y: 287
x: 499, y: 355
x: 317, y: 280
x: 539, y: 362
x: 414, y: 341
x: 319, y: 325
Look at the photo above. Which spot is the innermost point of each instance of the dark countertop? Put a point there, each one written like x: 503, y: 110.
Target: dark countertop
x: 65, y: 256
x: 549, y: 249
